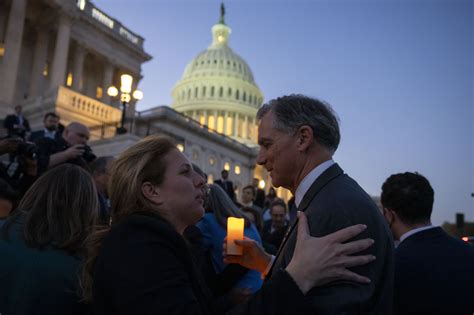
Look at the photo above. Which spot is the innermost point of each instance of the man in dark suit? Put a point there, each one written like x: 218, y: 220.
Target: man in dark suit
x: 298, y: 136
x: 50, y: 123
x: 259, y: 193
x: 17, y: 124
x: 274, y: 230
x: 434, y: 272
x: 226, y: 184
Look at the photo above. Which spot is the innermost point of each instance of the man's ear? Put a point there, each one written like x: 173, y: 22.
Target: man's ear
x: 305, y: 137
x: 151, y: 192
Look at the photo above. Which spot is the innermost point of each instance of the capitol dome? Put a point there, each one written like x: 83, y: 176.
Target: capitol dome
x: 218, y: 89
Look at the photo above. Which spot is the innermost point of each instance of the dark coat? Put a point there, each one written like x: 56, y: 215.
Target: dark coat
x: 36, y: 135
x: 145, y: 267
x: 228, y: 187
x: 335, y: 201
x: 12, y: 120
x: 274, y: 238
x: 434, y: 274
x: 33, y: 281
x: 259, y: 197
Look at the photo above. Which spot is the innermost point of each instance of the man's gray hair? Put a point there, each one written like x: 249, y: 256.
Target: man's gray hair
x: 296, y: 110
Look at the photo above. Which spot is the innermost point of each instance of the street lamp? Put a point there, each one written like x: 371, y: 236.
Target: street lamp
x: 126, y: 95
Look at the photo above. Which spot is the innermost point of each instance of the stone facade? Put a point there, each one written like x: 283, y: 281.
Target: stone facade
x: 62, y: 55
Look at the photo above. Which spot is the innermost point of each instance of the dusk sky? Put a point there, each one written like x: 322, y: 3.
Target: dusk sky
x: 398, y: 73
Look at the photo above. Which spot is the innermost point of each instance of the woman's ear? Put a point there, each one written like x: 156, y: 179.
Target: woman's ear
x: 151, y: 192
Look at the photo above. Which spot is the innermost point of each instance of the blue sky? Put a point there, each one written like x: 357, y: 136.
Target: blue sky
x: 398, y: 73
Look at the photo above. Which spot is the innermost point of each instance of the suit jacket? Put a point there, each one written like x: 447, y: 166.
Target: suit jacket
x: 274, y: 238
x: 335, y: 201
x: 228, y: 187
x: 36, y: 135
x: 145, y: 267
x: 434, y: 274
x: 259, y: 197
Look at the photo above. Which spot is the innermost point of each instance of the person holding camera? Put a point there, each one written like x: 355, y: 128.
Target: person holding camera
x: 70, y: 148
x: 21, y: 172
x: 16, y: 124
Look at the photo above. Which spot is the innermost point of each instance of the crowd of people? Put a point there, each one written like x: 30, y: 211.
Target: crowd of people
x: 144, y: 233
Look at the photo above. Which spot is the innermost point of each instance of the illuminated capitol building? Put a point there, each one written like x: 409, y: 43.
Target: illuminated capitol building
x: 65, y: 55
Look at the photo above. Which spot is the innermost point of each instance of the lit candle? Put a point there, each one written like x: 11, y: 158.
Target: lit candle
x: 235, y: 231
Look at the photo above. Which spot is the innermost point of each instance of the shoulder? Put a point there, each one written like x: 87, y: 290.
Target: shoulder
x: 207, y: 221
x: 138, y: 225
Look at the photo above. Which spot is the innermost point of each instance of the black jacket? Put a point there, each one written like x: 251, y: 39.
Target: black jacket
x: 434, y: 274
x: 145, y: 267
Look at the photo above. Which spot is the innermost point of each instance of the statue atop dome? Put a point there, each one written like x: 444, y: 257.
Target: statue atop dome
x: 221, y: 20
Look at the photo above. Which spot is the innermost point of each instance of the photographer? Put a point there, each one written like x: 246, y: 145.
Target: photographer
x: 70, y: 148
x: 17, y: 124
x: 21, y: 172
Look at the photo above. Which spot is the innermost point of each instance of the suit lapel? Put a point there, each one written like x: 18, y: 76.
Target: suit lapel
x: 327, y: 176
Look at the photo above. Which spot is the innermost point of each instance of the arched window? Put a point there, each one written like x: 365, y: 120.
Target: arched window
x: 229, y: 92
x: 212, y: 91
x: 237, y: 94
x: 244, y: 97
x: 203, y: 91
x: 189, y: 94
x: 221, y: 91
x: 196, y: 92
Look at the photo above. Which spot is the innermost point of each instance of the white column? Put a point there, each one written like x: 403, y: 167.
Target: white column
x: 245, y: 127
x: 225, y: 123
x: 39, y: 61
x: 133, y: 103
x: 58, y: 73
x: 195, y: 117
x: 79, y: 56
x: 11, y: 58
x: 216, y: 115
x: 236, y: 124
x: 107, y: 81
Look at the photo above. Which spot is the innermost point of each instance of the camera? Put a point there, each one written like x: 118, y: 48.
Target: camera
x: 88, y: 156
x: 27, y: 149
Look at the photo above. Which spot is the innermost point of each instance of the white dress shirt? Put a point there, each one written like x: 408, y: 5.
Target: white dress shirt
x: 414, y: 231
x: 309, y: 179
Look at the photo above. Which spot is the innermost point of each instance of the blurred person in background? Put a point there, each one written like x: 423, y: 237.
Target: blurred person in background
x: 259, y: 193
x: 51, y: 124
x: 16, y: 124
x: 213, y: 227
x: 248, y: 197
x: 70, y: 148
x: 434, y: 272
x: 41, y: 244
x: 274, y: 230
x: 8, y: 200
x: 100, y: 170
x: 226, y: 184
